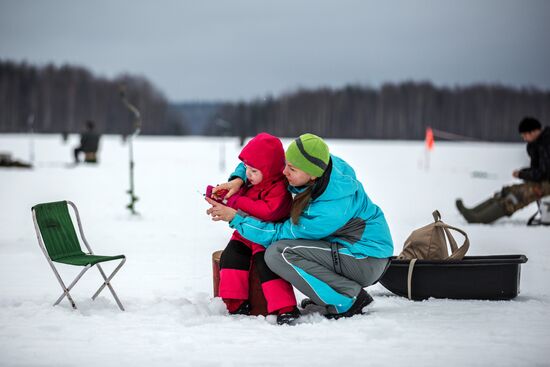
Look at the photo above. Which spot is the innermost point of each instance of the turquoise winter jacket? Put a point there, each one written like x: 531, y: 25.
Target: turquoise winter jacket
x: 343, y: 213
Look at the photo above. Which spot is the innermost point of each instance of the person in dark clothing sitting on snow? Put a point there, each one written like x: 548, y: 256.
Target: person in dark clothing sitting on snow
x: 89, y: 144
x: 537, y: 179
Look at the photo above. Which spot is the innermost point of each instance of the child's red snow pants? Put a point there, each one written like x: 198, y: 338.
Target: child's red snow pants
x: 234, y: 271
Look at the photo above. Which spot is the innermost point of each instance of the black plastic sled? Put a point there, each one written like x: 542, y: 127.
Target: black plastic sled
x: 475, y: 277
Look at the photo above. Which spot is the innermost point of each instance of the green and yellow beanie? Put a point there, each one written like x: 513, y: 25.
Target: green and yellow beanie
x: 309, y: 153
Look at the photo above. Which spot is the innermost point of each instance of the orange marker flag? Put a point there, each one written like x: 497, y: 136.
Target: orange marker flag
x: 429, y: 138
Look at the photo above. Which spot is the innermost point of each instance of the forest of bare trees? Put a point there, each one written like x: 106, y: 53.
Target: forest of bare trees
x: 60, y: 99
x: 395, y: 111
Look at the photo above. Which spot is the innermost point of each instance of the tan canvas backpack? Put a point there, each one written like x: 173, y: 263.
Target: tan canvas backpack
x: 430, y: 243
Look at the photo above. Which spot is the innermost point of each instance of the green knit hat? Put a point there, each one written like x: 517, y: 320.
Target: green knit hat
x: 309, y: 153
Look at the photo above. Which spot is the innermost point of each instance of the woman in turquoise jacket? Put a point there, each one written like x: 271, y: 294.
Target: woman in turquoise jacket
x: 337, y: 240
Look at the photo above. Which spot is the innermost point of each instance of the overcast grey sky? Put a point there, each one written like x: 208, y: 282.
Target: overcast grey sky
x: 241, y: 49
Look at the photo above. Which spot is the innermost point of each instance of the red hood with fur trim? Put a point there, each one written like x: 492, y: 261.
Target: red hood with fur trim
x: 265, y: 152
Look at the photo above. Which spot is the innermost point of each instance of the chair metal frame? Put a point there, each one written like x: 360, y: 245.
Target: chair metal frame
x: 106, y: 280
x: 533, y: 220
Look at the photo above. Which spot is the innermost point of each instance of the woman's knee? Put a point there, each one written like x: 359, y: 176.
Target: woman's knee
x: 274, y: 253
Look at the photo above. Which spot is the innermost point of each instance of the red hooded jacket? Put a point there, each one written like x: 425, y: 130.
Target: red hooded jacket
x: 269, y: 200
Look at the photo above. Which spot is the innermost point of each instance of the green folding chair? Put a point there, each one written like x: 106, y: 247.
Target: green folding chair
x: 59, y: 243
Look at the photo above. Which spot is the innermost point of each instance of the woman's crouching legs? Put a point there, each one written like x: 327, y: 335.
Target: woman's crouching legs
x: 309, y: 266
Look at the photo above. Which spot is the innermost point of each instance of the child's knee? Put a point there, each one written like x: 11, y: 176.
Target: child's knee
x: 236, y: 255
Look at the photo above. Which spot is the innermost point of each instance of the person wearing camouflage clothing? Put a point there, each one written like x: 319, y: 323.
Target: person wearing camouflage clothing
x: 537, y: 179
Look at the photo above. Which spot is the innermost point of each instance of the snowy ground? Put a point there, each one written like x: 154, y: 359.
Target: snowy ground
x: 166, y: 283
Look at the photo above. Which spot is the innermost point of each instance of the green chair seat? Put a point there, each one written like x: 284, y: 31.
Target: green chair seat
x: 83, y: 260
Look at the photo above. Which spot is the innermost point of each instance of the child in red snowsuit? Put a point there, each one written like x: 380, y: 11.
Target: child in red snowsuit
x: 264, y: 196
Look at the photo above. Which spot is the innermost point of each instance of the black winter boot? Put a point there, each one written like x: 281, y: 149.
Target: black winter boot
x: 363, y: 299
x: 244, y: 309
x: 288, y: 318
x: 306, y: 302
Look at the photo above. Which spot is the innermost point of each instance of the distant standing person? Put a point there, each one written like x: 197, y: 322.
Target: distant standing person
x: 537, y: 179
x: 89, y: 144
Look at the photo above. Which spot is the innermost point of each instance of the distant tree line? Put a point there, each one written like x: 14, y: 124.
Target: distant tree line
x: 61, y: 99
x: 394, y: 111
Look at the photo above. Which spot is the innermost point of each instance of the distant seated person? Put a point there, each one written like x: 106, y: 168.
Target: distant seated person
x: 536, y: 179
x: 89, y: 143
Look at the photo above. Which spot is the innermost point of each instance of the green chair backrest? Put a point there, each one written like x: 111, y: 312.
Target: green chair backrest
x: 57, y: 230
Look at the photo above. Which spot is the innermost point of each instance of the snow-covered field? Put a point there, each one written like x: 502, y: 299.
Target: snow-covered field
x: 166, y: 284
